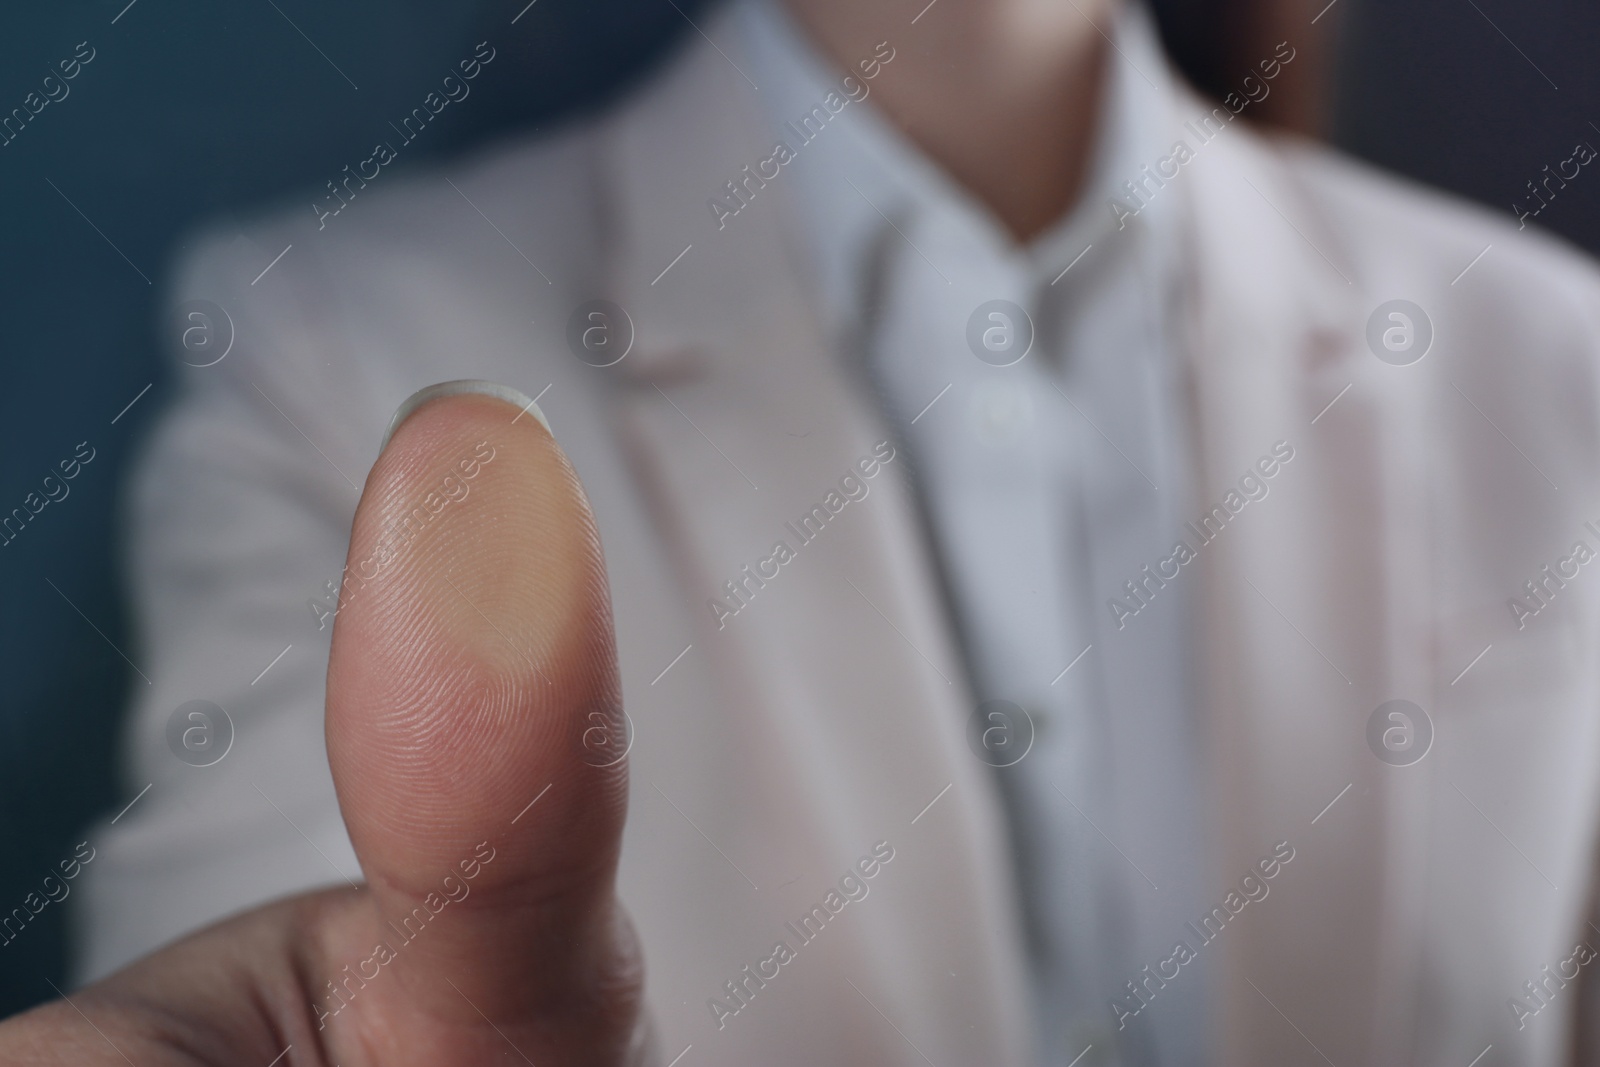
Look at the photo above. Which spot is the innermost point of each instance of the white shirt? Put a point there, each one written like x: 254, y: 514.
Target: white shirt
x: 1039, y: 481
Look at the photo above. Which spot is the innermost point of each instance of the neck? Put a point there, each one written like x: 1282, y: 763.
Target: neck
x: 1002, y: 94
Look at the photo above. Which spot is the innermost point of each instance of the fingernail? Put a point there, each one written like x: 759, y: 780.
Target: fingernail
x: 514, y: 397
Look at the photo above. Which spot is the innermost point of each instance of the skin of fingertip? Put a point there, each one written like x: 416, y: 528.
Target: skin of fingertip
x: 461, y: 675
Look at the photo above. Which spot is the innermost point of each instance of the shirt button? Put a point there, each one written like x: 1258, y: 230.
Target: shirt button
x: 1000, y: 413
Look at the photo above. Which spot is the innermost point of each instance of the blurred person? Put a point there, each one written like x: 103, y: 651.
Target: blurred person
x: 1087, y: 581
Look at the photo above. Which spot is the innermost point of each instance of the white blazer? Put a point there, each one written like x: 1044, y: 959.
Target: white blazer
x: 773, y: 753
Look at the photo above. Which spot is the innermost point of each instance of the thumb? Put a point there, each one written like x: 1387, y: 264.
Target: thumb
x: 475, y: 731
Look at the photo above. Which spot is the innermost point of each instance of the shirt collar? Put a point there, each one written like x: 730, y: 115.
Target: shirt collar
x: 860, y: 170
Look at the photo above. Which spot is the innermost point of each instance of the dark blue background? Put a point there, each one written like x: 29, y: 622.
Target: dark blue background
x: 194, y: 111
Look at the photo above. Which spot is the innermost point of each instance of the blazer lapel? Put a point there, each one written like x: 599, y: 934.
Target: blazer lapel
x: 830, y: 653
x: 1309, y: 617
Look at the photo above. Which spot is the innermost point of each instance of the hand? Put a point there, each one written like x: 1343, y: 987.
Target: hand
x: 468, y: 675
